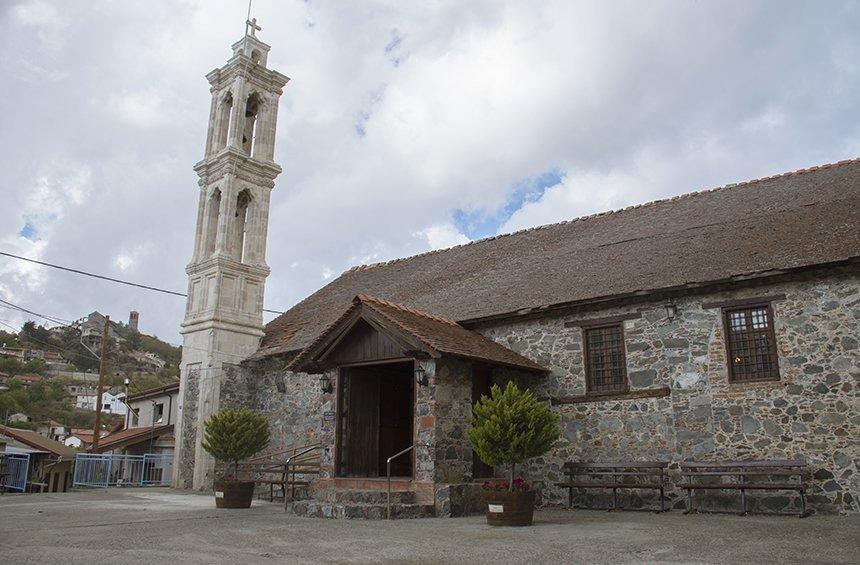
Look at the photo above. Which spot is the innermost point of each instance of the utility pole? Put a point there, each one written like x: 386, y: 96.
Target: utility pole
x: 97, y: 428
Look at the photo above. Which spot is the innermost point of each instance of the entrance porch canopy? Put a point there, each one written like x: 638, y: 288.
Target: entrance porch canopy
x: 373, y: 329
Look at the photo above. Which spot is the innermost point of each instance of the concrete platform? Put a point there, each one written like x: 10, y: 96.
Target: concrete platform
x: 161, y: 525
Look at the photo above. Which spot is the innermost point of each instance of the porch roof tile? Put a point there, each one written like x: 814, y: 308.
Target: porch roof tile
x: 434, y: 332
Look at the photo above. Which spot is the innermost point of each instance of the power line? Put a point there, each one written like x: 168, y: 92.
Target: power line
x: 53, y: 318
x: 52, y: 346
x: 58, y: 321
x: 110, y: 279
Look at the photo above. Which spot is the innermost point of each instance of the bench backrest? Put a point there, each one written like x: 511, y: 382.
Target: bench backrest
x: 616, y: 464
x: 750, y: 464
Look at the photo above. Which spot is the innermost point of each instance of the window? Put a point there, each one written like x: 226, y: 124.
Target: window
x: 605, y: 365
x: 158, y: 413
x: 751, y: 344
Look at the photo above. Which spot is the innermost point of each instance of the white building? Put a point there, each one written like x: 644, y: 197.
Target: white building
x: 111, y: 403
x: 149, y: 423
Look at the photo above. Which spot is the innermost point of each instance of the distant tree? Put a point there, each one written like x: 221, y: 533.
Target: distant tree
x: 11, y: 366
x: 37, y: 366
x: 35, y: 335
x: 8, y: 339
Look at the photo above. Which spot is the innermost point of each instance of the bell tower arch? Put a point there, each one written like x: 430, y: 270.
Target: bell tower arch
x: 227, y: 272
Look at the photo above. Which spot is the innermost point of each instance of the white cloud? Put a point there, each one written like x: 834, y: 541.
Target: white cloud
x: 397, y: 116
x: 45, y: 19
x: 440, y: 237
x: 123, y: 261
x: 146, y: 108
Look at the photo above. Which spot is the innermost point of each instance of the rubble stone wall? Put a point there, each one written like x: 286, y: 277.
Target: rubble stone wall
x: 810, y: 413
x: 696, y: 413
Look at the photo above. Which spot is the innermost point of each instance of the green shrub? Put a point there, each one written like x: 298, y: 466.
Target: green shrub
x: 510, y: 426
x: 231, y: 436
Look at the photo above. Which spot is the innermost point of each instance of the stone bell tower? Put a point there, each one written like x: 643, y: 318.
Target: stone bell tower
x: 227, y: 273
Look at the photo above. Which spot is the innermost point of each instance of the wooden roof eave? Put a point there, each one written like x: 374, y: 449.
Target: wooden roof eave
x: 314, y: 360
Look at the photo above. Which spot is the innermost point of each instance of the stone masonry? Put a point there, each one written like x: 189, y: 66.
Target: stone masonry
x: 810, y: 413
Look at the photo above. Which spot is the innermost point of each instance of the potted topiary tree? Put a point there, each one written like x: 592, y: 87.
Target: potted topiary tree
x: 508, y: 427
x: 232, y: 436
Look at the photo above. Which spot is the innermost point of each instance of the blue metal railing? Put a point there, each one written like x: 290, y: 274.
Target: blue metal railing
x: 109, y: 470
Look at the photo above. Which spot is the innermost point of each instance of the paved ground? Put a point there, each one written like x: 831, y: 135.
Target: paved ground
x: 160, y: 525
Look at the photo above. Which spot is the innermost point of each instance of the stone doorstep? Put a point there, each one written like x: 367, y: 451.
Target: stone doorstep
x: 397, y: 484
x: 354, y: 496
x: 361, y: 511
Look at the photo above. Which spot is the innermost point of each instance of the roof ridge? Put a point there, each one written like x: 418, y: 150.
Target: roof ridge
x: 403, y: 308
x: 683, y: 196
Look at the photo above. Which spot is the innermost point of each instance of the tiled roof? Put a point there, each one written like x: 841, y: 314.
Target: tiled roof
x: 434, y: 333
x: 37, y: 441
x: 157, y: 391
x: 790, y: 221
x: 132, y: 436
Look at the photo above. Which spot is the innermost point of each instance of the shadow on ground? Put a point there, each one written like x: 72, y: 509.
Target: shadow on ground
x: 146, y: 525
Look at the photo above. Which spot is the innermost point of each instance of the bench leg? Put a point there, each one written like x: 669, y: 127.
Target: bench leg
x: 743, y: 502
x: 803, y: 512
x: 662, y: 500
x: 690, y: 508
x: 614, y: 500
x: 569, y: 498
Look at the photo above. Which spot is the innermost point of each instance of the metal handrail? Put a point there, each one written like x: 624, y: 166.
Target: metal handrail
x: 293, y: 480
x: 388, y: 475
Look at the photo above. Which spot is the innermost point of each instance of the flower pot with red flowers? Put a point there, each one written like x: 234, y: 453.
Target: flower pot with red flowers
x: 232, y: 436
x: 509, y: 427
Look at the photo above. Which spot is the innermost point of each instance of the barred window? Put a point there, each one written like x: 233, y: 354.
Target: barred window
x: 751, y: 344
x: 605, y: 365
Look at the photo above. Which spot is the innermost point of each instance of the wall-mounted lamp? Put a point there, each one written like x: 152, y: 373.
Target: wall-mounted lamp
x: 421, y: 376
x: 325, y: 384
x: 671, y: 310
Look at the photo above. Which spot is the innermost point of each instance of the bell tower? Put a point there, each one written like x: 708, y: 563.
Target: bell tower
x: 227, y: 273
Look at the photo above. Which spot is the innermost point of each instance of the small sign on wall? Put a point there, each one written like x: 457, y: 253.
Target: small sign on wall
x: 328, y: 416
x: 496, y: 507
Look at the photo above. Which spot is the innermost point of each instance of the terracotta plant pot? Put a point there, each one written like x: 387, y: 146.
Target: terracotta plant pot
x: 505, y: 508
x: 234, y: 494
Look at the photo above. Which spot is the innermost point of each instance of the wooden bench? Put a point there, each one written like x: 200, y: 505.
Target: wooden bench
x: 616, y: 475
x: 744, y: 476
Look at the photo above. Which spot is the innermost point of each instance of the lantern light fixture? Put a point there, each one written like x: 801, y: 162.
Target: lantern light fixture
x: 671, y: 310
x: 325, y: 384
x: 421, y: 375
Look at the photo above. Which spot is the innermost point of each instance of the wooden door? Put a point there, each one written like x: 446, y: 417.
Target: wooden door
x: 362, y: 424
x: 395, y: 420
x: 482, y: 382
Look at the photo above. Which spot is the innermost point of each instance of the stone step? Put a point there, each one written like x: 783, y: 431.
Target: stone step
x: 356, y: 496
x: 353, y: 511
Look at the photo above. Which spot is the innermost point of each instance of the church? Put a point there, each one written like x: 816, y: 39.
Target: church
x: 715, y: 325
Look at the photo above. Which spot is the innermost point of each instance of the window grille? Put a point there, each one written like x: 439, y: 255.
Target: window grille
x: 751, y: 344
x: 605, y: 367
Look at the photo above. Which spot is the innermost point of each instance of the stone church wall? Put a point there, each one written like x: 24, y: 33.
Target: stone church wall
x: 810, y: 413
x: 293, y: 403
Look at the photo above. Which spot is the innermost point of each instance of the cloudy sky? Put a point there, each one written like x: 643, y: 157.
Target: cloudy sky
x: 407, y: 126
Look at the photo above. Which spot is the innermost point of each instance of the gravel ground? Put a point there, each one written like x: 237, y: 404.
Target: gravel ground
x: 162, y: 525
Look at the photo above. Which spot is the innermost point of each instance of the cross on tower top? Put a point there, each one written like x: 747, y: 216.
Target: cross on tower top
x: 252, y: 27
